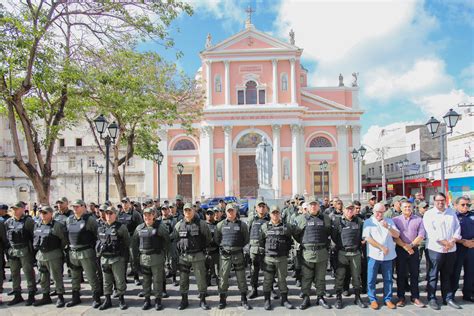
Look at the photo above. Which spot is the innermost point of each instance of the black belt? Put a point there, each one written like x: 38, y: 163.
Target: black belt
x: 80, y: 248
x: 350, y: 249
x: 313, y: 248
x: 150, y: 251
x: 231, y: 252
x: 19, y: 246
x: 192, y: 252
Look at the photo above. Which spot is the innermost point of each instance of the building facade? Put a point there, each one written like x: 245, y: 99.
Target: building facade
x: 257, y: 88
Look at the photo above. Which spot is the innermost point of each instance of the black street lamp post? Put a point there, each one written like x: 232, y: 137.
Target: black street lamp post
x: 98, y: 170
x: 402, y: 164
x: 357, y: 156
x: 101, y: 125
x: 180, y: 170
x: 158, y: 158
x: 451, y: 119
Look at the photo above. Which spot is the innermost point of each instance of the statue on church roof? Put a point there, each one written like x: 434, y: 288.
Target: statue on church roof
x: 354, y: 79
x: 341, y: 80
x: 208, y: 40
x: 292, y: 37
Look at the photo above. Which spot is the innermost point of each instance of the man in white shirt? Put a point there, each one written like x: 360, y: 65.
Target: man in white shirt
x: 442, y: 231
x: 379, y: 233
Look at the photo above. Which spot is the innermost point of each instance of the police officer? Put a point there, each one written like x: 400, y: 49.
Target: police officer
x: 277, y: 238
x: 347, y: 236
x: 113, y: 242
x: 19, y: 230
x: 82, y: 233
x: 63, y: 212
x: 171, y: 253
x: 257, y: 250
x: 396, y: 209
x: 212, y: 252
x: 368, y: 210
x: 314, y: 230
x: 3, y: 245
x: 232, y: 235
x: 179, y: 204
x: 150, y: 240
x: 49, y: 240
x: 193, y: 237
x: 131, y: 219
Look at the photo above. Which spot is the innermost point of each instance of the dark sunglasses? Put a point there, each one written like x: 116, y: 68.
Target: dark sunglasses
x: 466, y: 204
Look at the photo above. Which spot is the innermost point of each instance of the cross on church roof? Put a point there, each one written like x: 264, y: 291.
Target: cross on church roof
x: 249, y: 11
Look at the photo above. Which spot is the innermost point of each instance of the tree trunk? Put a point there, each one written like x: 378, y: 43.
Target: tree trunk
x: 121, y: 186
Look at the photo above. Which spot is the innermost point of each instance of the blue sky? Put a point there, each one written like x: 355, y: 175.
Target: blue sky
x: 415, y: 58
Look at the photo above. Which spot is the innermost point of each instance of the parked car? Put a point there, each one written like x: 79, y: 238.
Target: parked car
x: 212, y: 202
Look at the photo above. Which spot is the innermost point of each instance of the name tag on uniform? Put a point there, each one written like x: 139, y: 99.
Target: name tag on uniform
x: 310, y: 223
x: 236, y: 227
x: 319, y: 223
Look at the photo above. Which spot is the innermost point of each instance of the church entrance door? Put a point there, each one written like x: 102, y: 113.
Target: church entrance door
x: 185, y: 186
x: 248, y: 176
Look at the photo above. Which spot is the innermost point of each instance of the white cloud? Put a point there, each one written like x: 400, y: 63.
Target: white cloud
x: 228, y: 11
x: 438, y: 104
x: 467, y: 77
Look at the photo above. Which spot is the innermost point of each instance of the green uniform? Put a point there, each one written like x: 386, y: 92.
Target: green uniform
x: 212, y: 255
x: 277, y: 239
x: 3, y: 244
x: 49, y: 242
x: 314, y: 231
x: 192, y: 240
x: 171, y: 252
x: 257, y: 249
x: 392, y: 212
x: 131, y: 219
x: 82, y: 234
x: 232, y: 238
x: 112, y: 246
x: 151, y: 242
x: 347, y: 236
x: 20, y: 237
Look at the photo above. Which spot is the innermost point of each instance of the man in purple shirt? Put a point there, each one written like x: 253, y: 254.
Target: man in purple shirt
x: 412, y: 233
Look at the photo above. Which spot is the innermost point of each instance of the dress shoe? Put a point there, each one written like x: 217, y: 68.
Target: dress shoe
x: 390, y: 305
x: 418, y: 303
x: 374, y: 305
x: 453, y: 304
x: 401, y: 302
x: 434, y: 305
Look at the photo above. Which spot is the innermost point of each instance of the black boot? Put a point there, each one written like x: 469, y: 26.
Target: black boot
x: 322, y: 301
x: 306, y: 302
x: 244, y: 302
x: 338, y: 304
x: 175, y: 282
x: 184, y: 302
x: 275, y: 295
x: 31, y: 298
x: 165, y: 293
x: 222, y: 301
x: 253, y: 292
x: 158, y: 305
x: 60, y: 301
x: 298, y: 278
x: 137, y: 280
x: 203, y: 303
x: 16, y: 299
x: 285, y: 302
x: 97, y: 302
x: 122, y: 304
x: 76, y: 299
x: 147, y: 304
x: 358, y: 300
x: 107, y: 303
x: 268, y: 302
x: 46, y: 299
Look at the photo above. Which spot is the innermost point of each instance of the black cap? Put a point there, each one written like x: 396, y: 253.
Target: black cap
x: 3, y: 207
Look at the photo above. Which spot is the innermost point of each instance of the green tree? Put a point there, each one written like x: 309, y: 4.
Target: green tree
x: 42, y: 44
x: 142, y: 94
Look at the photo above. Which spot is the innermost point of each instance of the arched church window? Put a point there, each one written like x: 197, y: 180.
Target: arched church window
x: 251, y: 92
x: 284, y: 82
x: 218, y: 84
x: 250, y: 140
x: 184, y: 144
x: 320, y: 141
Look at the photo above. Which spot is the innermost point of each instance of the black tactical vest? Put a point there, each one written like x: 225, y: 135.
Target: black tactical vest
x: 110, y: 244
x: 278, y: 242
x: 17, y: 235
x: 350, y: 233
x: 169, y: 224
x: 315, y: 231
x: 127, y: 220
x: 256, y: 225
x: 44, y: 239
x: 150, y: 241
x: 212, y: 228
x: 232, y: 234
x: 62, y: 218
x: 190, y: 239
x: 78, y: 234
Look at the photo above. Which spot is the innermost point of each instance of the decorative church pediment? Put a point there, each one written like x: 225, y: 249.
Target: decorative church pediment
x: 319, y: 103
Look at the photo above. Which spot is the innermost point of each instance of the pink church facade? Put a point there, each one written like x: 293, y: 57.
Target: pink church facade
x: 256, y: 87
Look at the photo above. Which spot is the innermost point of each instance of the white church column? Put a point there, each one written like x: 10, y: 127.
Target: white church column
x: 206, y: 161
x: 276, y: 179
x: 228, y: 160
x: 163, y: 147
x: 302, y: 161
x: 209, y: 82
x: 293, y: 80
x: 343, y: 160
x: 227, y: 82
x: 356, y: 145
x: 295, y: 159
x: 275, y: 81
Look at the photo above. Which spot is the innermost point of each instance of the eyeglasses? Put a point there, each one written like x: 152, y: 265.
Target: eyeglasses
x: 466, y: 204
